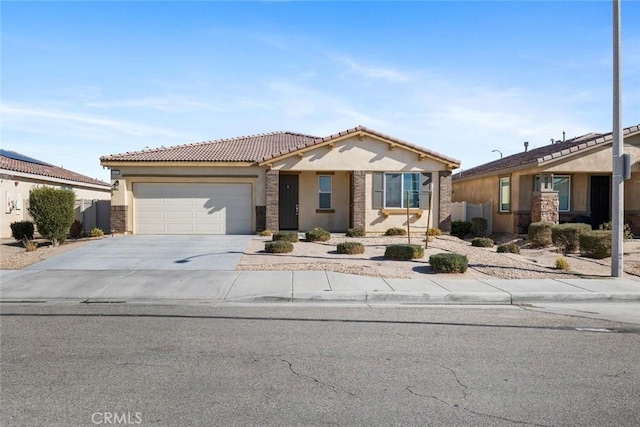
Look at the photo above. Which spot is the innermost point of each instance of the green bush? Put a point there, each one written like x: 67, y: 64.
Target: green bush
x: 482, y: 242
x: 478, y: 227
x: 626, y: 230
x: 52, y: 212
x: 539, y: 234
x: 287, y: 236
x: 76, y: 230
x: 511, y: 248
x: 317, y: 234
x: 278, y: 247
x: 567, y: 236
x: 460, y: 229
x: 596, y: 244
x: 22, y: 230
x: 562, y: 263
x: 350, y: 248
x: 449, y: 263
x: 355, y: 232
x: 403, y: 252
x: 265, y: 233
x: 395, y: 231
x: 96, y: 232
x: 434, y: 232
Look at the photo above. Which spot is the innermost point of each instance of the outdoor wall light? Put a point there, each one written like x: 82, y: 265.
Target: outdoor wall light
x: 116, y: 185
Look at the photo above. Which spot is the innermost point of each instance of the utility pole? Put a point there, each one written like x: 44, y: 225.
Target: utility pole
x: 617, y: 181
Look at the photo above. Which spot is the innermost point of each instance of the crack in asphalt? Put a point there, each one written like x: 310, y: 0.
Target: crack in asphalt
x: 317, y: 381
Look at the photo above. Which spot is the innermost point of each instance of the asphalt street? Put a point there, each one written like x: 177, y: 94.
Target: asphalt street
x: 260, y: 365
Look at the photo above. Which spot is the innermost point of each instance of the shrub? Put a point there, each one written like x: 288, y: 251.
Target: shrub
x: 596, y: 244
x: 356, y: 232
x: 511, y: 248
x: 482, y: 242
x: 460, y: 229
x: 278, y: 247
x: 449, y: 263
x: 434, y: 232
x: 350, y: 248
x: 395, y: 231
x: 96, y: 232
x: 76, y: 230
x: 287, y: 236
x: 403, y: 252
x: 52, y: 212
x: 626, y: 231
x: 539, y: 234
x: 29, y: 245
x: 567, y: 236
x: 266, y: 233
x: 562, y: 263
x: 317, y: 234
x: 478, y: 226
x: 22, y: 230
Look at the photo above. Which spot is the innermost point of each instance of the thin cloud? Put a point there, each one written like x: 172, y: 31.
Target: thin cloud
x: 376, y: 73
x: 155, y: 103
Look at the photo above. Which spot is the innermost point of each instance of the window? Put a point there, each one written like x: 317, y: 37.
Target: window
x: 561, y: 184
x: 324, y: 192
x: 505, y: 194
x: 401, y: 190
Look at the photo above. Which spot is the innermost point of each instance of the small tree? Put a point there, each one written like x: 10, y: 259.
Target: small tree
x: 52, y: 212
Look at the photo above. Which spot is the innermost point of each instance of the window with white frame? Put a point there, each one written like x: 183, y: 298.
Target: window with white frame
x: 561, y: 184
x: 401, y: 190
x: 505, y: 194
x: 324, y: 192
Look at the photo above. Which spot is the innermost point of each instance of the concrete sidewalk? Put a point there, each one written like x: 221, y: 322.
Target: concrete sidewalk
x: 297, y: 286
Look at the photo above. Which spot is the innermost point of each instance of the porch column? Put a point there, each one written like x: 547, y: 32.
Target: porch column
x: 359, y: 194
x: 545, y: 203
x: 273, y: 200
x: 444, y: 205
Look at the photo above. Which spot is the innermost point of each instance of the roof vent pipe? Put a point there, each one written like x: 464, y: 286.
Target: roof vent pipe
x: 563, y: 135
x: 526, y: 146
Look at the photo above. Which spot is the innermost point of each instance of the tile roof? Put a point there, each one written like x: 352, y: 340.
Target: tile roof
x: 16, y: 162
x: 540, y: 156
x: 255, y: 148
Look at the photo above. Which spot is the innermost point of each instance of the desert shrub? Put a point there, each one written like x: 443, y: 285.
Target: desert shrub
x: 567, y: 236
x: 266, y: 233
x: 355, y: 232
x: 511, y: 248
x: 96, y: 232
x: 317, y: 234
x: 562, y: 263
x: 350, y: 248
x: 29, y: 245
x: 395, y: 231
x: 403, y: 252
x: 478, y: 227
x: 278, y: 247
x: 21, y: 230
x: 626, y: 230
x: 460, y: 229
x: 52, y: 212
x: 539, y: 234
x: 449, y: 263
x: 76, y: 230
x: 287, y: 236
x: 596, y: 244
x: 482, y: 242
x: 434, y: 232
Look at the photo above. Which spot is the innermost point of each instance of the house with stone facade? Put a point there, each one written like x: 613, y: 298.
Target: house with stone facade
x: 566, y: 181
x: 358, y: 178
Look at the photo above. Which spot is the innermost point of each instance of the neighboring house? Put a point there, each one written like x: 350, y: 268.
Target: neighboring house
x: 567, y: 181
x: 19, y: 174
x: 358, y: 178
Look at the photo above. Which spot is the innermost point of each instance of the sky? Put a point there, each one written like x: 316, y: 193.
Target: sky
x: 84, y: 79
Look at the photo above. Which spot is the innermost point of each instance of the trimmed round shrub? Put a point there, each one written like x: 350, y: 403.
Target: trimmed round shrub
x: 278, y: 247
x: 539, y: 234
x: 76, y: 230
x: 21, y: 230
x: 52, y: 211
x: 350, y: 248
x: 96, y: 232
x: 511, y: 248
x: 355, y: 232
x: 434, y: 232
x: 403, y: 252
x: 265, y: 233
x: 482, y: 242
x: 567, y: 236
x: 317, y: 234
x: 449, y: 263
x: 287, y: 236
x: 596, y: 244
x: 395, y: 231
x: 479, y: 227
x: 460, y: 229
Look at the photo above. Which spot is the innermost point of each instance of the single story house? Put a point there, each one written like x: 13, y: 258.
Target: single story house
x: 566, y: 181
x: 20, y: 173
x: 358, y: 178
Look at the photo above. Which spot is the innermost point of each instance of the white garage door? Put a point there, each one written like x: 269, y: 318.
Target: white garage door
x: 192, y: 208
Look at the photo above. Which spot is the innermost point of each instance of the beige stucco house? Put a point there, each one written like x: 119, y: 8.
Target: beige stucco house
x: 567, y: 181
x: 358, y: 178
x: 20, y: 173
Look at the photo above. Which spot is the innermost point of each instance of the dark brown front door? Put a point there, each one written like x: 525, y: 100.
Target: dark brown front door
x: 600, y: 200
x: 288, y: 209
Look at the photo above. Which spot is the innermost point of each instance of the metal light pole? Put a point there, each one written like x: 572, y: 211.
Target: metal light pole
x: 617, y: 182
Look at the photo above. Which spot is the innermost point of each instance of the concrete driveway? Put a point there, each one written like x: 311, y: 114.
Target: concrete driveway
x: 152, y: 253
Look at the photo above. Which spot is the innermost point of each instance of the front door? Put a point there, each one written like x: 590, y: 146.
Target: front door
x: 600, y: 200
x: 288, y: 201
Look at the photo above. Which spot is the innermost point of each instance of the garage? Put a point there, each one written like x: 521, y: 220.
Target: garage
x: 190, y: 208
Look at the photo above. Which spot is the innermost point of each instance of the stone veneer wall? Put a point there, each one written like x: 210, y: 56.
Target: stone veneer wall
x: 521, y: 222
x: 261, y: 218
x: 359, y: 192
x: 273, y: 201
x: 118, y: 218
x: 444, y: 207
x: 544, y: 206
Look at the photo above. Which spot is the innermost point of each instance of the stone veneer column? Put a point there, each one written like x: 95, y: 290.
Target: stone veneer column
x: 358, y: 190
x: 118, y: 219
x: 545, y: 206
x: 444, y: 206
x: 261, y: 218
x: 273, y: 200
